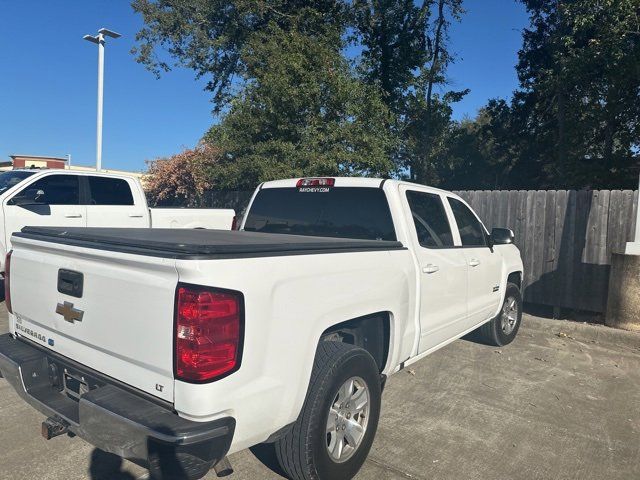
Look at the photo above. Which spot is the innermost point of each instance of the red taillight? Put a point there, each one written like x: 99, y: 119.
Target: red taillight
x: 315, y: 182
x: 7, y: 282
x: 208, y: 336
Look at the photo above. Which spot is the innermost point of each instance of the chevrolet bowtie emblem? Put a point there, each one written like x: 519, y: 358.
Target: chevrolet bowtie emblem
x: 69, y: 313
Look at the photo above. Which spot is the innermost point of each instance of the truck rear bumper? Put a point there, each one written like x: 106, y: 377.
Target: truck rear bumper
x: 111, y: 418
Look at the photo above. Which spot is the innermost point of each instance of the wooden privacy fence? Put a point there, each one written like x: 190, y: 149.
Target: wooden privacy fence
x: 566, y: 238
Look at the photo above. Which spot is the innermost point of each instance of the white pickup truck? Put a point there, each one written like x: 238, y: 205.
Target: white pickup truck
x: 70, y: 198
x: 174, y: 348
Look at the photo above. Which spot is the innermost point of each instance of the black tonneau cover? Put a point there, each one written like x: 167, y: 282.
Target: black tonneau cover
x: 200, y: 244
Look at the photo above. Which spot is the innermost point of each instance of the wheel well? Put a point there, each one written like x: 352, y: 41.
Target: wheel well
x: 370, y: 332
x: 515, y: 278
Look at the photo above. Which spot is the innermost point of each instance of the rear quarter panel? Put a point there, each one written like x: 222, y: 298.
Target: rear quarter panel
x: 289, y: 302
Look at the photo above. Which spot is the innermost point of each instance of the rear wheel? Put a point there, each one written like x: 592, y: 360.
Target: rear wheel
x: 337, y: 424
x: 504, y: 327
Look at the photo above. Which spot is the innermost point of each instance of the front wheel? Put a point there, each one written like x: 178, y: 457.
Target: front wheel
x: 504, y: 327
x: 337, y: 424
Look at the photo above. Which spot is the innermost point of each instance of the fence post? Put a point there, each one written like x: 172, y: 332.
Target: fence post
x: 633, y: 248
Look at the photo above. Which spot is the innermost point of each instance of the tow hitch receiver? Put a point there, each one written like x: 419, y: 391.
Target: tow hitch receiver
x: 53, y: 427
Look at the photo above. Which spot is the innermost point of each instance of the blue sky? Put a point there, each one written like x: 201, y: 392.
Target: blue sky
x: 48, y: 80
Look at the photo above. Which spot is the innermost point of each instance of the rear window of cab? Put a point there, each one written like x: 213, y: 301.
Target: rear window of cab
x: 343, y: 212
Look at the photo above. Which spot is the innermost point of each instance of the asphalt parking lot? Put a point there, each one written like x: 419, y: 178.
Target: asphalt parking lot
x: 561, y: 402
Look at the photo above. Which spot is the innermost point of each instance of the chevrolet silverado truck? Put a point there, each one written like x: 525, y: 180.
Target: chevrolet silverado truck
x: 176, y: 348
x: 71, y: 198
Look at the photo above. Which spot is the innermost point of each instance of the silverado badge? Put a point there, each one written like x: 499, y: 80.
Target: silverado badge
x: 69, y: 313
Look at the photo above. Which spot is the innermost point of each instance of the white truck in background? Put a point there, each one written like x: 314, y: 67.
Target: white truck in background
x: 68, y: 198
x: 174, y: 348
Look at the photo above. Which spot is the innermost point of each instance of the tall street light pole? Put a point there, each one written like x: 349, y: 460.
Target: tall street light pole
x: 99, y: 40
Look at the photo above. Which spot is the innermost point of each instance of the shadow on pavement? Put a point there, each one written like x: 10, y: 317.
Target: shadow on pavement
x: 266, y: 454
x: 107, y: 466
x: 475, y: 337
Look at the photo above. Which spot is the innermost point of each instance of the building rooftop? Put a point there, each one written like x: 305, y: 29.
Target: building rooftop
x: 38, y: 157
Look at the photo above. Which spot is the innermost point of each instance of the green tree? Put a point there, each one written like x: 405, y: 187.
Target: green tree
x: 406, y: 53
x: 431, y: 75
x: 393, y: 34
x: 210, y: 36
x: 284, y: 114
x: 487, y: 152
x: 575, y: 120
x: 292, y: 103
x: 579, y: 70
x: 303, y: 112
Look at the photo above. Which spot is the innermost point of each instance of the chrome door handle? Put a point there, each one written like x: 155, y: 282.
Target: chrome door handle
x: 73, y: 215
x: 430, y: 268
x: 474, y: 262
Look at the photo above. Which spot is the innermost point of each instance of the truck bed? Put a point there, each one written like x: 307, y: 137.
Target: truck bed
x: 200, y: 244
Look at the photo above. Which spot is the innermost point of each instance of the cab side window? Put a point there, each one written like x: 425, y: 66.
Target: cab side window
x: 109, y: 191
x: 57, y: 190
x: 472, y: 233
x: 430, y: 219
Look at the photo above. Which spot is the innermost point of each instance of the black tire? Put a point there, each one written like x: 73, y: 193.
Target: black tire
x: 492, y: 332
x: 302, y: 452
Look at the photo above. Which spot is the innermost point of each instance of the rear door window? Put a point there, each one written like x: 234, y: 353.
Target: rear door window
x: 109, y: 191
x: 472, y: 232
x: 343, y: 212
x: 430, y: 219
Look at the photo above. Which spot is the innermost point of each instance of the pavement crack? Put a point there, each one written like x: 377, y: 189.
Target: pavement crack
x: 391, y: 468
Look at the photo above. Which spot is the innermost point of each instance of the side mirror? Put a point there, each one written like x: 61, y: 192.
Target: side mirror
x: 502, y: 236
x: 31, y: 196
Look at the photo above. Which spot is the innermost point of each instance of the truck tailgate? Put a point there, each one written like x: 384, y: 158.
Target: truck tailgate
x: 126, y: 305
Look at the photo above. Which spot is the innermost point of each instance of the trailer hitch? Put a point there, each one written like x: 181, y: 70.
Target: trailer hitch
x: 54, y: 427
